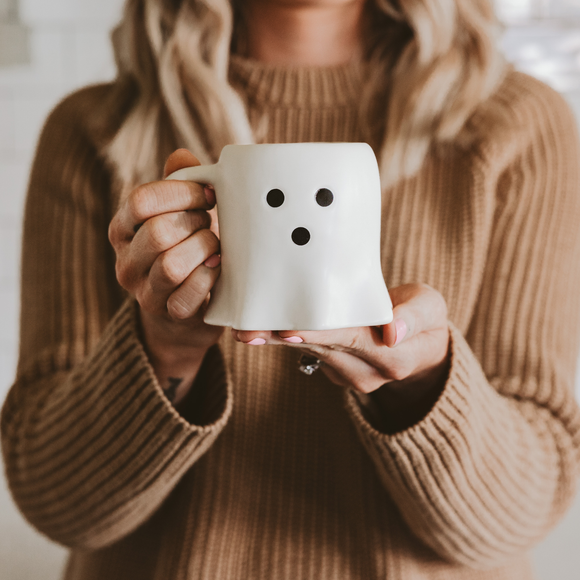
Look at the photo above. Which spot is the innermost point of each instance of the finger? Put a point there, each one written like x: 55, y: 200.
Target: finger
x: 365, y: 343
x: 163, y: 232
x: 186, y: 301
x: 354, y: 340
x: 417, y: 308
x: 172, y: 267
x: 178, y: 160
x: 183, y: 158
x: 349, y: 370
x: 335, y: 377
x: 157, y: 198
x: 254, y: 337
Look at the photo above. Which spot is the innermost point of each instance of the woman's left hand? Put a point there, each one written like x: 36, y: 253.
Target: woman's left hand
x: 411, y: 350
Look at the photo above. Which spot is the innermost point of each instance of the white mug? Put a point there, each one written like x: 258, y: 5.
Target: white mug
x: 300, y: 237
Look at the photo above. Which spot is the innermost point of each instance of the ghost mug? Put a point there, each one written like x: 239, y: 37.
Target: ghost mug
x: 300, y: 237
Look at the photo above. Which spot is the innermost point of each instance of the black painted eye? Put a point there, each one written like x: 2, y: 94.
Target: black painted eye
x: 300, y: 236
x: 275, y: 198
x: 324, y: 197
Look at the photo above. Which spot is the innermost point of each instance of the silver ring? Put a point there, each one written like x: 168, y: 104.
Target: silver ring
x: 308, y: 364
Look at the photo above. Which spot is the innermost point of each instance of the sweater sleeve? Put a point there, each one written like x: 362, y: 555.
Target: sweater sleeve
x: 493, y: 465
x: 91, y: 444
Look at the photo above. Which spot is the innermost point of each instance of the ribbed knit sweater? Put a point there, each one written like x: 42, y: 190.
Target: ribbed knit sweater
x: 273, y: 474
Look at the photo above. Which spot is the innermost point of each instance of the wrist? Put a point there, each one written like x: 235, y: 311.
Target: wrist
x: 172, y: 340
x: 176, y: 369
x: 175, y: 361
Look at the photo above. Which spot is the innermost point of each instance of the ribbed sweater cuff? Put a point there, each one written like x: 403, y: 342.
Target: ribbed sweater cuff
x: 218, y: 401
x: 451, y: 410
x: 431, y: 469
x: 110, y: 447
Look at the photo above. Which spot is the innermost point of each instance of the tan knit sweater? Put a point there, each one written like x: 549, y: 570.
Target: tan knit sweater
x: 275, y: 475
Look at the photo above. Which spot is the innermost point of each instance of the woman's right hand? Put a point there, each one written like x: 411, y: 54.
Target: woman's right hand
x: 168, y: 258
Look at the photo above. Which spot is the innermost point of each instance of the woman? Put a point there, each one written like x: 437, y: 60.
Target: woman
x: 158, y: 447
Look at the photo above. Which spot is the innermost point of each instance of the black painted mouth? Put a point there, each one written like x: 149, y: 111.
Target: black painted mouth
x: 300, y: 236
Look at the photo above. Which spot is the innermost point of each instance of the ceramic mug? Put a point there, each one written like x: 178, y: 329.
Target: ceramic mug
x: 300, y: 237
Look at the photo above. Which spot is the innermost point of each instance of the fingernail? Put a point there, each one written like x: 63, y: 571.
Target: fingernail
x: 293, y: 339
x: 257, y: 342
x: 401, y: 328
x: 209, y: 194
x: 213, y: 261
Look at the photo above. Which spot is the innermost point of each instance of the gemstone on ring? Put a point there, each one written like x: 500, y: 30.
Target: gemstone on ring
x: 308, y: 364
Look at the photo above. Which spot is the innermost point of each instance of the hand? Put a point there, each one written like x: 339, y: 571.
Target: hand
x: 168, y: 258
x: 406, y: 359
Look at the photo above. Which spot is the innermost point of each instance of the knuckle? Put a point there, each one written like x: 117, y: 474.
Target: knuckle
x: 438, y: 303
x: 147, y: 301
x: 171, y: 270
x: 113, y: 231
x: 399, y: 372
x: 124, y: 274
x: 139, y: 203
x: 364, y: 387
x: 363, y: 384
x: 160, y: 234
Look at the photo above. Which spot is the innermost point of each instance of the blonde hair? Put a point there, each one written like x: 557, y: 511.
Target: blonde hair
x: 439, y: 58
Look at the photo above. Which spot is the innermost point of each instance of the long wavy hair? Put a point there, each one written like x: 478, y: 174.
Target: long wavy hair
x: 434, y: 62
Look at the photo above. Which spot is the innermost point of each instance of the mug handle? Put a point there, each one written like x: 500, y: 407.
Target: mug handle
x: 200, y: 173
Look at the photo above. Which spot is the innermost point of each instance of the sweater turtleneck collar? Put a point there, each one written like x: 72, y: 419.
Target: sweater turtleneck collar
x: 268, y: 85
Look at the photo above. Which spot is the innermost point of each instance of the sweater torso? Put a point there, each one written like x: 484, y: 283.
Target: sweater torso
x: 299, y: 485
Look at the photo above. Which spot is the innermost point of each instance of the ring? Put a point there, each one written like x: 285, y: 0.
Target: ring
x: 308, y: 364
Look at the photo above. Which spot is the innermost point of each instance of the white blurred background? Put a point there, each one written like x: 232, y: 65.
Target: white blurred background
x: 49, y: 48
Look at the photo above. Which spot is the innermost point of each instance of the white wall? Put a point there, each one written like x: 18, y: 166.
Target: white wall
x: 70, y: 48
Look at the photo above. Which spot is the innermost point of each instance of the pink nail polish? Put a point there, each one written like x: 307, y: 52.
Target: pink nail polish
x: 213, y: 261
x: 293, y: 339
x: 257, y: 342
x: 209, y: 194
x: 401, y: 328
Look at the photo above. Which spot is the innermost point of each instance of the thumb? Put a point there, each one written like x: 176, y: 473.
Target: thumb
x: 417, y: 308
x: 178, y: 160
